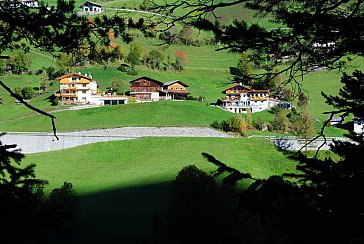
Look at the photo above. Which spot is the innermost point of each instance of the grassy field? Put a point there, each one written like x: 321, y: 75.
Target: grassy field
x: 164, y: 113
x: 206, y: 72
x: 123, y: 184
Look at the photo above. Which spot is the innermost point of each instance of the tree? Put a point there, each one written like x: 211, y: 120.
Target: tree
x: 44, y: 82
x: 199, y: 212
x: 118, y: 53
x: 181, y: 60
x: 25, y: 92
x: 155, y: 59
x: 27, y: 215
x: 326, y: 204
x: 117, y: 85
x: 64, y: 62
x: 19, y: 62
x: 243, y: 70
x: 307, y: 24
x: 135, y: 54
x: 302, y: 100
x: 280, y: 122
x: 186, y: 35
x: 302, y: 124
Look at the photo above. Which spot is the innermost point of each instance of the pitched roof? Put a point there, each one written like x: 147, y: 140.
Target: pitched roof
x: 175, y: 81
x: 147, y: 78
x: 93, y: 3
x: 236, y: 85
x: 76, y: 74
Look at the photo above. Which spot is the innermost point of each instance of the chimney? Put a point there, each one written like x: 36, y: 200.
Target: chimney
x: 90, y: 76
x: 85, y: 74
x: 241, y: 83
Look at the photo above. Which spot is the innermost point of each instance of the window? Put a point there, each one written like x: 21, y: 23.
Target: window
x: 84, y: 92
x: 83, y: 85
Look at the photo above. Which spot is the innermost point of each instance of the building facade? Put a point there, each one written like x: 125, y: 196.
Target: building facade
x: 146, y: 89
x: 175, y: 90
x: 89, y: 7
x: 75, y: 88
x: 241, y: 99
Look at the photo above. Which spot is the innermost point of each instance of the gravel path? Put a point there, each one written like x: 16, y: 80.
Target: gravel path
x: 33, y: 142
x: 135, y: 132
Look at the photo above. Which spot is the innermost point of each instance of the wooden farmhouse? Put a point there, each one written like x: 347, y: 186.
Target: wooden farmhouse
x: 89, y: 7
x: 83, y: 89
x: 175, y: 90
x: 240, y: 99
x: 146, y: 89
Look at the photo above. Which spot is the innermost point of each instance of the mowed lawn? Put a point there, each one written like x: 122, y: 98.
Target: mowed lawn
x: 163, y: 113
x: 123, y: 184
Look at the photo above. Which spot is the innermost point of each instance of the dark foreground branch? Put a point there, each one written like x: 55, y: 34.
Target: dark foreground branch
x: 21, y: 100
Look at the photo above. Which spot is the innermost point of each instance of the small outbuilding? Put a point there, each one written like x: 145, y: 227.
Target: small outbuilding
x: 91, y: 7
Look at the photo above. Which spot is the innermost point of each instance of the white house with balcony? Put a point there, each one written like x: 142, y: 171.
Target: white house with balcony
x: 76, y: 88
x: 241, y: 99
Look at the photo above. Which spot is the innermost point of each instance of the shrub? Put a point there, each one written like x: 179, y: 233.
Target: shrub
x: 132, y: 72
x: 280, y: 122
x: 20, y: 62
x: 234, y: 124
x: 258, y: 124
x: 25, y: 92
x: 135, y: 53
x: 54, y: 100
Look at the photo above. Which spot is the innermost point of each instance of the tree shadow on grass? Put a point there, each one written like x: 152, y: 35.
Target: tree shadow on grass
x: 120, y: 215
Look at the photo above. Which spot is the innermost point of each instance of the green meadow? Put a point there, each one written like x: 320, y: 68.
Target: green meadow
x: 123, y: 184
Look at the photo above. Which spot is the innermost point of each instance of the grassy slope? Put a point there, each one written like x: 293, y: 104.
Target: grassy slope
x: 205, y: 72
x: 164, y: 113
x: 123, y: 184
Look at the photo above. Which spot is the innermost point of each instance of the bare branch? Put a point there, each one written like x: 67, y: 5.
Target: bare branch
x: 21, y: 100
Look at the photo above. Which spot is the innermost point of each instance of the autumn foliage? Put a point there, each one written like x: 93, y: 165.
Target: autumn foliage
x: 182, y: 56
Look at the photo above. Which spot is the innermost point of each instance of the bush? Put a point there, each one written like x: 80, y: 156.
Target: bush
x: 132, y: 72
x: 25, y: 92
x: 258, y: 124
x: 234, y: 124
x: 54, y: 100
x: 219, y: 102
x: 132, y: 100
x: 280, y: 122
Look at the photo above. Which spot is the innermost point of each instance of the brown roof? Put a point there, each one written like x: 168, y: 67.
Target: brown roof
x: 175, y: 81
x: 147, y: 78
x: 76, y: 74
x: 93, y: 3
x: 236, y: 85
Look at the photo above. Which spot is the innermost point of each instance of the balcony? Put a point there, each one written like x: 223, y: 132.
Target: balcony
x: 258, y: 98
x: 65, y: 94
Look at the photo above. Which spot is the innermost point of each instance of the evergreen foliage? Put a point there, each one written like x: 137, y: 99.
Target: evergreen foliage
x: 27, y: 215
